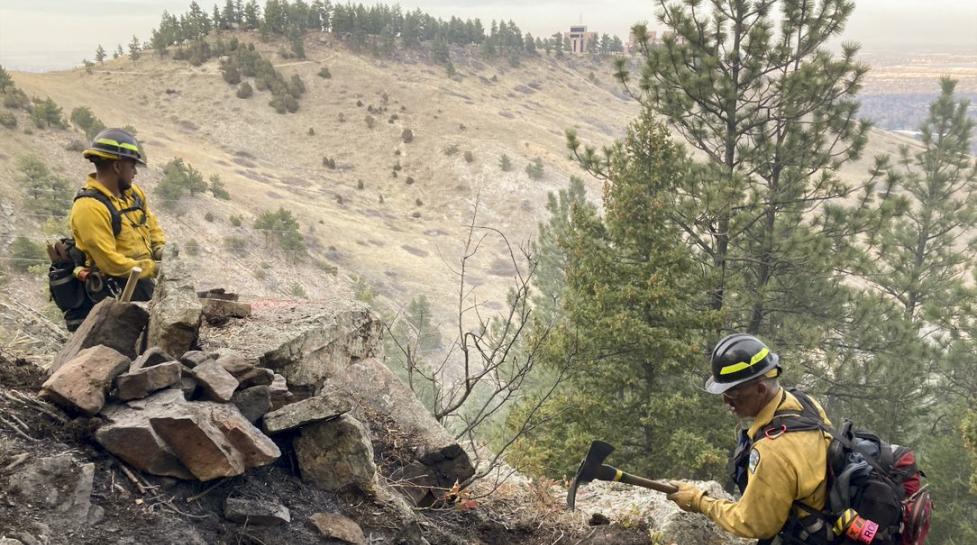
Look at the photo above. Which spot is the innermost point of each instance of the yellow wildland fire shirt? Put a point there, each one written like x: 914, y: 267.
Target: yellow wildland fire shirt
x: 91, y: 226
x: 792, y: 466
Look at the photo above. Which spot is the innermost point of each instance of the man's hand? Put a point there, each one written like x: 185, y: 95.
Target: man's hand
x: 158, y: 253
x: 688, y: 497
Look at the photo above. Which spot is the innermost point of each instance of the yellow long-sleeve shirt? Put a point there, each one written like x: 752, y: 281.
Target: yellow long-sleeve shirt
x: 91, y: 226
x: 782, y: 469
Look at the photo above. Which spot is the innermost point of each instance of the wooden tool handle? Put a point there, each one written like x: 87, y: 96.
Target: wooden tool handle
x: 130, y: 284
x: 627, y: 478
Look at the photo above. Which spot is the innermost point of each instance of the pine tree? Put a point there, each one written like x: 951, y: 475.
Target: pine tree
x: 100, y: 54
x: 633, y: 323
x: 550, y: 281
x: 252, y: 15
x: 135, y: 49
x: 118, y: 52
x: 776, y: 116
x: 6, y: 82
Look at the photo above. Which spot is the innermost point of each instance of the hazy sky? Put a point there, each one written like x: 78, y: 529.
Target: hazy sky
x: 51, y: 34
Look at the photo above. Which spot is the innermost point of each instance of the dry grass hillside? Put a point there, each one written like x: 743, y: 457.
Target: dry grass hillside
x: 402, y: 239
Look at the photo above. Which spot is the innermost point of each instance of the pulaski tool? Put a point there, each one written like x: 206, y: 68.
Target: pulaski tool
x: 593, y: 468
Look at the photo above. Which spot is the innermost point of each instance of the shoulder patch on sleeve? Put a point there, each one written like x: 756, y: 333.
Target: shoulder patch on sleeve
x: 754, y: 460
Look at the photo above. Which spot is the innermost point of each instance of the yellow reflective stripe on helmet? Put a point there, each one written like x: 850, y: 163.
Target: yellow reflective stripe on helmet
x: 617, y: 475
x: 744, y: 365
x: 124, y: 145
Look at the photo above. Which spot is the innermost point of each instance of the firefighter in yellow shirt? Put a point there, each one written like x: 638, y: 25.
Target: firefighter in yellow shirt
x: 112, y: 224
x: 773, y: 468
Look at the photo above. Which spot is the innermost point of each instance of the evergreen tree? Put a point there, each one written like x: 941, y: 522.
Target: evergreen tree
x: 46, y: 193
x: 252, y: 15
x: 530, y: 44
x: 557, y: 40
x: 135, y: 48
x: 118, y: 52
x: 100, y: 54
x: 633, y: 323
x: 775, y: 114
x: 231, y: 14
x: 6, y: 82
x: 550, y: 280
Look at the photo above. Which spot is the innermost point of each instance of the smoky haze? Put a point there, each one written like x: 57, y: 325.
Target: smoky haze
x: 56, y: 34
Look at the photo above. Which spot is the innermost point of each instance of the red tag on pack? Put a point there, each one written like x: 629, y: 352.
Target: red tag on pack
x: 862, y: 531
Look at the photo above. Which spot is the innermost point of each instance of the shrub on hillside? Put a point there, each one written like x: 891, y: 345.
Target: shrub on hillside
x: 282, y: 227
x: 8, y: 120
x: 235, y: 220
x: 209, y: 216
x: 296, y: 86
x: 469, y: 156
x: 329, y: 163
x: 505, y: 164
x: 370, y: 121
x: 407, y: 136
x: 324, y: 73
x: 236, y: 246
x: 179, y: 179
x: 47, y: 194
x: 83, y: 118
x: 278, y: 103
x: 245, y: 90
x: 230, y: 73
x: 46, y: 113
x: 75, y: 145
x: 25, y: 253
x: 535, y: 169
x: 291, y: 104
x: 450, y: 149
x: 16, y: 100
x: 217, y: 188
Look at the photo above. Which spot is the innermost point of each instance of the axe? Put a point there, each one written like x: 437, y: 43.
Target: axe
x: 592, y: 468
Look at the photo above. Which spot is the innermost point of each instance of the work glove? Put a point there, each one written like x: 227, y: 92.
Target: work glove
x: 158, y: 253
x: 687, y: 497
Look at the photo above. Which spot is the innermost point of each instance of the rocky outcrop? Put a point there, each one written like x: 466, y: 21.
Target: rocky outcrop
x: 175, y: 311
x: 324, y: 345
x: 337, y: 455
x: 82, y: 383
x: 112, y: 324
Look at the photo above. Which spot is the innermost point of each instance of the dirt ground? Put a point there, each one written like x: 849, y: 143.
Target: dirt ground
x: 169, y: 511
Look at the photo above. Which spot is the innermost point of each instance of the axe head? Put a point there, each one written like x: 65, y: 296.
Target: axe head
x: 589, y: 466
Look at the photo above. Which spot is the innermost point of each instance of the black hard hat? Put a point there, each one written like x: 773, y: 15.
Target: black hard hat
x: 739, y: 358
x: 115, y: 144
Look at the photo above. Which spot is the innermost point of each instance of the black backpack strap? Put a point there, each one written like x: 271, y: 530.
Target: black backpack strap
x: 113, y: 211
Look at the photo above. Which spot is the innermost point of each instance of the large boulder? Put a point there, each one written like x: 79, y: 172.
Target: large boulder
x: 439, y: 460
x: 337, y: 455
x: 129, y: 434
x: 112, y: 324
x: 82, y: 383
x: 175, y: 311
x: 324, y: 345
x: 214, y: 440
